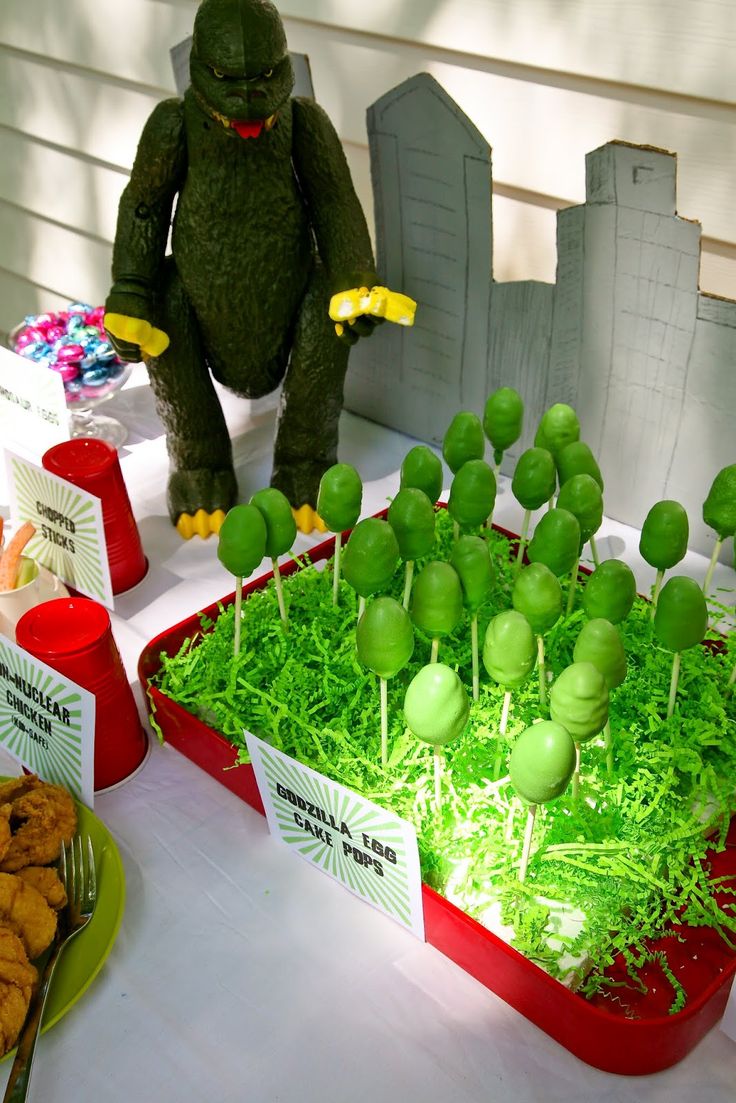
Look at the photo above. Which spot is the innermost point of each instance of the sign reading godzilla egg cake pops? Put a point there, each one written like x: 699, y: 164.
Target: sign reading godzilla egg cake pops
x: 367, y: 849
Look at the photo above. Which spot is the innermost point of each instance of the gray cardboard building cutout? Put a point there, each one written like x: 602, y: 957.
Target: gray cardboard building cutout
x: 624, y: 335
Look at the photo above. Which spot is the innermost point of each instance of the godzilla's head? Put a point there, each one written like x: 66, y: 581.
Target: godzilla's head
x: 240, y: 67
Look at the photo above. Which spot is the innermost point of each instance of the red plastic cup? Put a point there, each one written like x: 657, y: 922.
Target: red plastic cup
x: 93, y: 465
x: 74, y: 636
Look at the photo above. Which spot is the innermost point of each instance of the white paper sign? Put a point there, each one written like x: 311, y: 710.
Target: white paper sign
x: 33, y: 411
x: 70, y: 535
x: 367, y: 849
x: 47, y: 722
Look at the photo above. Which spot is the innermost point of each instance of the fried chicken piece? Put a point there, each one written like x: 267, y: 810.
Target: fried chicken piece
x: 17, y: 979
x: 40, y: 821
x: 5, y: 835
x: 24, y: 910
x: 16, y: 787
x: 45, y: 880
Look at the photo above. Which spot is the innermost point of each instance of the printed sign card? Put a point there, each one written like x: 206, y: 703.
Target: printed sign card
x: 367, y: 849
x: 33, y: 411
x: 70, y: 535
x: 47, y: 723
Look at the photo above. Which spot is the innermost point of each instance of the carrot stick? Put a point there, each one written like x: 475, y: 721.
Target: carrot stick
x: 11, y: 556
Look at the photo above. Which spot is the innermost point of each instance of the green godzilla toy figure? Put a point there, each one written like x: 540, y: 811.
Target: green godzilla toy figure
x: 267, y: 231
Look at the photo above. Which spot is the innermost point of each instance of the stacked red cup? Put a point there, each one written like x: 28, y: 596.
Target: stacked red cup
x: 93, y: 465
x: 74, y: 636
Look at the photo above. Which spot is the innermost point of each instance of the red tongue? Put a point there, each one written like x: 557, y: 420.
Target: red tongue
x: 248, y: 129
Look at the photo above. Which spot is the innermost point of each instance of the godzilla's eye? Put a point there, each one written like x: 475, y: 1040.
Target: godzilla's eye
x: 218, y: 73
x: 268, y: 73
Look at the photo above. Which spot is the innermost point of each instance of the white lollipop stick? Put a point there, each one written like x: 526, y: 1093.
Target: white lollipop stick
x: 505, y: 712
x: 531, y: 813
x: 435, y: 649
x: 673, y: 683
x: 384, y: 721
x: 439, y: 759
x: 408, y: 576
x: 474, y: 650
x: 571, y: 591
x: 542, y: 672
x: 336, y: 568
x: 238, y: 610
x: 655, y: 593
x: 279, y: 590
x: 522, y: 539
x: 594, y: 551
x: 712, y: 565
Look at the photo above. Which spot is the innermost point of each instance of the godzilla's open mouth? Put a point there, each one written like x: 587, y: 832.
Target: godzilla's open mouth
x: 251, y: 128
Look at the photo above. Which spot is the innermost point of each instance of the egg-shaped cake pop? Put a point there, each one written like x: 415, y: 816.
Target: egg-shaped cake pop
x: 422, y: 470
x: 471, y: 558
x: 600, y: 643
x: 464, y: 440
x: 535, y: 478
x: 681, y: 619
x: 719, y: 508
x: 556, y: 541
x: 371, y: 556
x: 502, y: 420
x: 384, y: 637
x: 559, y: 427
x: 582, y: 496
x: 437, y: 599
x: 436, y: 705
x: 472, y: 493
x: 279, y: 517
x: 509, y: 649
x: 664, y: 535
x: 576, y: 458
x: 412, y: 517
x: 542, y: 762
x: 579, y: 701
x: 340, y: 497
x: 241, y: 542
x: 538, y: 595
x: 610, y: 591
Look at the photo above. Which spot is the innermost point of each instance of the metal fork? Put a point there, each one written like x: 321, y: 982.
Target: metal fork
x: 79, y: 877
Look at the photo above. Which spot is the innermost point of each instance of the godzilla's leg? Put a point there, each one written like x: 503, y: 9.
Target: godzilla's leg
x: 311, y: 400
x: 202, y: 483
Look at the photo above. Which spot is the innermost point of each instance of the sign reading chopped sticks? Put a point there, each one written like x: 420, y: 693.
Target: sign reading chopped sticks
x: 70, y: 535
x: 364, y: 847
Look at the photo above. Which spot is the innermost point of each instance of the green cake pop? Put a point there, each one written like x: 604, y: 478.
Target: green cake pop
x: 576, y: 458
x: 719, y: 513
x: 463, y: 441
x: 411, y: 515
x: 339, y: 501
x: 509, y: 654
x: 541, y: 764
x: 502, y: 420
x: 437, y: 602
x: 385, y: 642
x: 610, y: 591
x: 241, y: 547
x: 436, y: 708
x: 472, y: 494
x: 471, y: 558
x: 600, y: 643
x: 280, y: 532
x: 680, y: 621
x: 581, y: 495
x: 538, y: 595
x: 579, y: 701
x: 556, y: 541
x: 422, y: 470
x: 663, y: 540
x: 371, y: 557
x: 559, y: 427
x: 533, y: 484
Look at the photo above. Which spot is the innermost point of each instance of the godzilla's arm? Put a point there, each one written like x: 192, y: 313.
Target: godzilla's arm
x: 337, y: 218
x: 145, y: 212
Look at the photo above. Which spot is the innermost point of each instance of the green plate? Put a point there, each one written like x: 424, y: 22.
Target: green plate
x: 85, y: 955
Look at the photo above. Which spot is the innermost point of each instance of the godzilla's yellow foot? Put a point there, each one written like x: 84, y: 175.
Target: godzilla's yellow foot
x: 200, y: 524
x: 308, y: 520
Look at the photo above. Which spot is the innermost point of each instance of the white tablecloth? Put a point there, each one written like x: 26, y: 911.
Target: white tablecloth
x: 240, y: 972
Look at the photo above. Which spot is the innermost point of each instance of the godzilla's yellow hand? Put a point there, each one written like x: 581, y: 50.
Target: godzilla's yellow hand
x: 307, y: 520
x: 136, y: 331
x: 200, y: 524
x: 378, y: 302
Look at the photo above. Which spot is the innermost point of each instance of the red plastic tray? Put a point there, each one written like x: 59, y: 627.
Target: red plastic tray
x: 600, y: 1032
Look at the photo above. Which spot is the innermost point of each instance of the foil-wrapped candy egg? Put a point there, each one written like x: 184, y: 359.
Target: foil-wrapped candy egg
x: 71, y: 353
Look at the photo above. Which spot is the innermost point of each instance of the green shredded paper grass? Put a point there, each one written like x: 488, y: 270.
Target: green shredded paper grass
x: 630, y: 854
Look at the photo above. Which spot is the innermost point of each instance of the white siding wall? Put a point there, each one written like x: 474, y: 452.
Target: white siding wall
x: 544, y: 80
